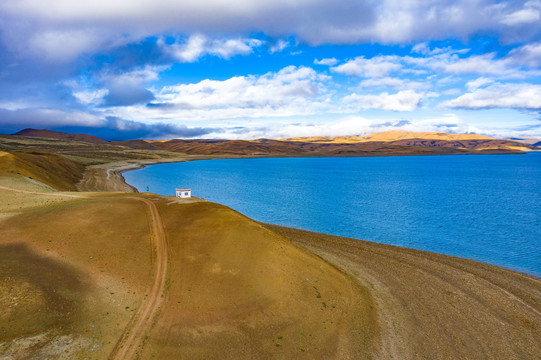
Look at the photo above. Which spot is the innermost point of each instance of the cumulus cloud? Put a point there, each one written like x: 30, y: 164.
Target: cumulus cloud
x: 86, y: 26
x: 528, y: 55
x: 326, y: 61
x: 120, y: 129
x: 377, y: 66
x: 349, y: 125
x: 477, y: 83
x: 199, y: 45
x: 407, y: 100
x: 393, y: 82
x: 108, y: 128
x: 446, y: 61
x: 119, y: 89
x: 279, y: 46
x: 290, y: 91
x: 91, y: 97
x: 44, y: 117
x: 529, y: 14
x: 514, y: 96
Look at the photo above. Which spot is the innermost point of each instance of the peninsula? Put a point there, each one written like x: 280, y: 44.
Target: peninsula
x: 91, y: 269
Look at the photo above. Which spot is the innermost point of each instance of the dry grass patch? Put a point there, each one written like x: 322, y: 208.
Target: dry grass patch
x: 73, y: 275
x: 237, y: 290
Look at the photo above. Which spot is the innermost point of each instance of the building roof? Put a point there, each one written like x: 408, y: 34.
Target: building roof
x: 184, y: 189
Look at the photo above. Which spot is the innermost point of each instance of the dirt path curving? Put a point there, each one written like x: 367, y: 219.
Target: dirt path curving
x: 41, y: 193
x: 131, y: 343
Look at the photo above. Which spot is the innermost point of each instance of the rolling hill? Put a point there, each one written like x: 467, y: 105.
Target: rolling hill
x: 113, y: 275
x: 388, y: 136
x: 49, y: 134
x: 48, y: 168
x: 390, y: 143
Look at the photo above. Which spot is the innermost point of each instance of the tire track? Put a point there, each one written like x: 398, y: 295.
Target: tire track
x: 41, y: 193
x: 131, y: 344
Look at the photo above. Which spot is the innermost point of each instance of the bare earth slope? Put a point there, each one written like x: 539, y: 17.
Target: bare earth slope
x: 433, y: 306
x: 72, y: 276
x: 84, y: 278
x: 48, y: 134
x: 240, y: 291
x: 122, y: 275
x: 393, y: 135
x: 49, y: 168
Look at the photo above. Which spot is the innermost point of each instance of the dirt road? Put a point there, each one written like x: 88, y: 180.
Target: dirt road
x: 41, y: 193
x: 131, y: 342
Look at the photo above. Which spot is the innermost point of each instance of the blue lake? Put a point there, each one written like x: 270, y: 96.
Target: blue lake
x: 481, y: 207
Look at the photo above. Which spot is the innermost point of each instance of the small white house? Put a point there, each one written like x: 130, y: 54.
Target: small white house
x: 184, y: 193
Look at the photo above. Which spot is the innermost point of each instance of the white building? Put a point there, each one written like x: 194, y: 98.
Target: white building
x: 184, y: 193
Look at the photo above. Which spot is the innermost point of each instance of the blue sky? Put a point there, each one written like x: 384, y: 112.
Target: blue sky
x: 244, y: 69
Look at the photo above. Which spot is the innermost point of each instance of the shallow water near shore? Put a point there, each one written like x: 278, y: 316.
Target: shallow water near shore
x: 481, y: 207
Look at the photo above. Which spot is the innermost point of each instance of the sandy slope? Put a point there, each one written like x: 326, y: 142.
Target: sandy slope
x: 433, y: 306
x: 76, y: 276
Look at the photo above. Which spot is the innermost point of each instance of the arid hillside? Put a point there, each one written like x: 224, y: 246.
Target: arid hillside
x: 48, y: 134
x: 393, y: 135
x: 120, y: 275
x: 391, y: 143
x: 48, y: 168
x: 77, y: 280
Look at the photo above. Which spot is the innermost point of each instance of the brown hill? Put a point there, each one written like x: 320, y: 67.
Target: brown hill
x: 135, y: 144
x: 76, y: 273
x: 74, y: 277
x: 389, y: 143
x: 49, y: 134
x: 51, y: 169
x: 266, y: 147
x: 528, y: 140
x: 390, y: 136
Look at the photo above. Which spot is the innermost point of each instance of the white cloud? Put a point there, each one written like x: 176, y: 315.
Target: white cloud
x: 521, y: 16
x: 393, y: 82
x: 485, y: 64
x: 91, y: 97
x: 37, y: 117
x: 232, y: 47
x: 199, y: 45
x: 326, y: 61
x: 279, y: 46
x: 135, y: 76
x: 528, y: 55
x: 62, y: 45
x: 477, y: 83
x: 407, y: 100
x: 529, y: 14
x: 348, y: 125
x: 377, y: 66
x: 288, y: 92
x: 87, y: 26
x: 514, y: 96
x: 421, y: 48
x: 445, y: 61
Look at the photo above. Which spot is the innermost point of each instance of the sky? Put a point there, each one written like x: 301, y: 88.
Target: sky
x: 246, y: 69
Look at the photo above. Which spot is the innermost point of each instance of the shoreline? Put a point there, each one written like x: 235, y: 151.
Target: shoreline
x: 433, y: 306
x: 115, y: 169
x: 119, y: 168
x: 421, y: 305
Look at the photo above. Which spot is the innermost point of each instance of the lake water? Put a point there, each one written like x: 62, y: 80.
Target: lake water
x: 481, y: 207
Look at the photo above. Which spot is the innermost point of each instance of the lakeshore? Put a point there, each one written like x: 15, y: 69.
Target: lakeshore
x: 398, y: 278
x: 314, y: 295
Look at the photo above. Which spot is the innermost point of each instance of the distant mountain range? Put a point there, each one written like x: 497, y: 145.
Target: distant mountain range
x: 388, y: 136
x: 384, y: 143
x: 49, y: 134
